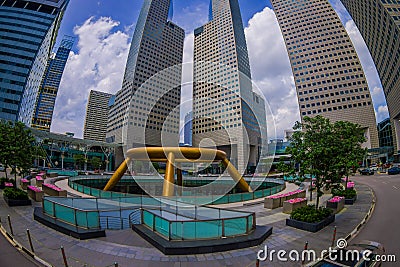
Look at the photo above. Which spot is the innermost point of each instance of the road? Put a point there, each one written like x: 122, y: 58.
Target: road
x: 10, y: 256
x: 384, y: 225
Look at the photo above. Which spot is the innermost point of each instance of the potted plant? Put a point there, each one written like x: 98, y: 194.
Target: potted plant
x: 310, y: 219
x: 53, y: 190
x: 25, y: 183
x: 350, y: 195
x: 16, y: 197
x: 272, y: 202
x: 35, y: 193
x: 290, y: 205
x: 335, y: 203
x: 39, y: 180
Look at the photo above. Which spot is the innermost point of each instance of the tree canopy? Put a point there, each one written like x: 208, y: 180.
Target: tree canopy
x: 17, y: 147
x: 326, y: 151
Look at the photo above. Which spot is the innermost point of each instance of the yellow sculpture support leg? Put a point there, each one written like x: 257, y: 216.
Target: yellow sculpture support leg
x: 179, y: 178
x: 117, y: 175
x: 236, y: 176
x: 168, y: 188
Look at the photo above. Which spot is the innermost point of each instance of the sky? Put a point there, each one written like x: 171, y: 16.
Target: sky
x: 103, y: 30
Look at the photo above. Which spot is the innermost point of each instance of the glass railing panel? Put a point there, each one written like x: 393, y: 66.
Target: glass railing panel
x: 221, y: 200
x: 235, y: 226
x: 250, y: 222
x: 48, y: 207
x: 81, y: 219
x: 247, y: 196
x: 189, y: 230
x: 258, y: 194
x: 148, y: 219
x: 65, y: 214
x: 162, y: 226
x: 208, y: 229
x: 93, y: 220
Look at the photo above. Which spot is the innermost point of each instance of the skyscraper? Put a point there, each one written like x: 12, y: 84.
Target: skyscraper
x: 28, y: 32
x: 145, y: 107
x: 187, y: 129
x: 227, y: 113
x: 379, y: 24
x: 46, y: 98
x: 96, y: 116
x: 328, y: 74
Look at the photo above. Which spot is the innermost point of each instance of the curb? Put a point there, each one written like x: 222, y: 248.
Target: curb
x: 19, y: 247
x: 356, y: 230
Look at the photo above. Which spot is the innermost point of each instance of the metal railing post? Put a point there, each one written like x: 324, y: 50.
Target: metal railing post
x: 30, y: 240
x: 9, y: 224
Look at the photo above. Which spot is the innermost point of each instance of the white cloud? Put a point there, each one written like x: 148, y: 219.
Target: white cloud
x: 271, y: 71
x: 98, y: 65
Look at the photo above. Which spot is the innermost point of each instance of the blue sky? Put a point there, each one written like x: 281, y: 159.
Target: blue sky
x: 103, y: 30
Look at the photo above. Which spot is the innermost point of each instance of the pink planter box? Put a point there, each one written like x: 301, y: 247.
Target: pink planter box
x: 289, y: 207
x: 35, y: 193
x: 53, y: 190
x: 25, y: 183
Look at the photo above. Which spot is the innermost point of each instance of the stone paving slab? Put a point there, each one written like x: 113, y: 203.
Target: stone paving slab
x: 128, y: 249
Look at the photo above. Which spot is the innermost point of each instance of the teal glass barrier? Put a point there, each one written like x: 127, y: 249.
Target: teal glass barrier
x: 247, y: 196
x: 93, y: 219
x: 250, y: 222
x: 176, y: 230
x: 258, y: 194
x: 161, y: 226
x: 64, y: 213
x: 189, y: 230
x: 208, y: 229
x: 234, y: 227
x: 148, y: 219
x: 48, y: 207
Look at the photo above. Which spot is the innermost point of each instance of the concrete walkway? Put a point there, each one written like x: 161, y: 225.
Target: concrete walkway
x: 128, y: 249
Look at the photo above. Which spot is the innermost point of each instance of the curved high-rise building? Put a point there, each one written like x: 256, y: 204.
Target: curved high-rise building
x: 379, y: 24
x: 28, y: 30
x: 227, y: 113
x: 147, y: 106
x: 328, y: 74
x: 46, y: 98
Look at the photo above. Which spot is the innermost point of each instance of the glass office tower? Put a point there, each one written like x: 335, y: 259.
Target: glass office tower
x: 227, y: 113
x: 151, y: 91
x: 328, y: 74
x: 46, y: 98
x: 28, y: 30
x: 379, y: 24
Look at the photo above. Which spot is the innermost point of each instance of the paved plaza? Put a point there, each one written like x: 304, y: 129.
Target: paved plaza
x: 128, y: 249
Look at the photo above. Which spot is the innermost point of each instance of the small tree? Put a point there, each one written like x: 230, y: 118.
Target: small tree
x: 349, y: 151
x: 283, y: 167
x: 79, y: 160
x: 326, y: 150
x: 95, y: 162
x: 17, y: 147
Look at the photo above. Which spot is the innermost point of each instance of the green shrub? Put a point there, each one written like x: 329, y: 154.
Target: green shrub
x: 310, y: 214
x: 349, y: 193
x: 15, y: 193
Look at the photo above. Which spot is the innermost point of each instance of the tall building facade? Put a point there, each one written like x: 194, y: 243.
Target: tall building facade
x: 97, y: 116
x: 46, y: 98
x: 227, y: 113
x: 187, y: 129
x: 146, y: 109
x: 328, y: 74
x: 379, y: 24
x: 385, y: 133
x: 28, y: 32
